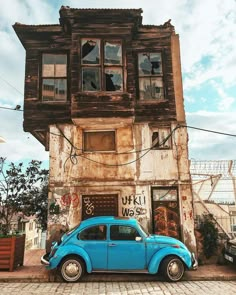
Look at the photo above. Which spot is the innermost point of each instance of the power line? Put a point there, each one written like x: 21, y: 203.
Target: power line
x: 207, y: 130
x: 73, y: 156
x: 17, y: 108
x: 11, y: 85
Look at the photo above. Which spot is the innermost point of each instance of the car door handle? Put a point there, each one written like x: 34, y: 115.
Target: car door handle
x: 112, y: 245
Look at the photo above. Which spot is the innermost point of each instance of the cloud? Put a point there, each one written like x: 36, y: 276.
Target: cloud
x: 208, y: 55
x: 19, y: 144
x: 206, y: 145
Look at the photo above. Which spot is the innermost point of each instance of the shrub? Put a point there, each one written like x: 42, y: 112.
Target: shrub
x: 209, y: 233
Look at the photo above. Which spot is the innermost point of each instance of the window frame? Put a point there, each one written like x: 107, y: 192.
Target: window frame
x: 159, y: 77
x: 98, y: 150
x: 55, y: 78
x: 102, y: 66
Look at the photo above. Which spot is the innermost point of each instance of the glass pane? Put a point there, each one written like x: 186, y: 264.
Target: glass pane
x: 60, y: 89
x: 54, y: 90
x: 91, y: 79
x: 151, y: 88
x: 60, y: 59
x: 149, y: 64
x: 48, y: 70
x: 60, y: 70
x: 90, y: 51
x: 119, y: 232
x: 54, y: 65
x: 164, y: 195
x: 48, y: 59
x: 48, y: 90
x: 113, y: 80
x: 163, y: 134
x: 113, y: 53
x: 94, y: 233
x: 99, y: 141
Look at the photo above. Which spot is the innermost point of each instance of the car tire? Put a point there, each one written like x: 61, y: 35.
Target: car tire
x: 172, y: 268
x: 72, y: 269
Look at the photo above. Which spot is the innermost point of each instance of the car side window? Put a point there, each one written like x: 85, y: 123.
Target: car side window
x: 121, y: 232
x: 97, y: 232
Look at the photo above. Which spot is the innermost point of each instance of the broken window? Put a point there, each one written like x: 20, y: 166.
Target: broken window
x: 161, y: 139
x: 113, y: 53
x: 91, y: 79
x: 150, y: 76
x: 54, y: 77
x: 101, y: 65
x: 113, y: 81
x: 99, y: 141
x: 91, y: 52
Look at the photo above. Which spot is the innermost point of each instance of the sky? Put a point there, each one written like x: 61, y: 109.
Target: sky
x: 207, y: 30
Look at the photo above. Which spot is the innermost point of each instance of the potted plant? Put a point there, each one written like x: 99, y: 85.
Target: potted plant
x: 19, y: 188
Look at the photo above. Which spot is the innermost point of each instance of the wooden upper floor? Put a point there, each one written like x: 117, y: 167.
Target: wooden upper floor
x: 100, y: 63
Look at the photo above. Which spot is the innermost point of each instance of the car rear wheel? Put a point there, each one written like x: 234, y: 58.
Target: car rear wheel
x: 172, y: 268
x: 72, y: 269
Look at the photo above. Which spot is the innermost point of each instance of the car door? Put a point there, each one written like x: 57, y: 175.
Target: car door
x: 94, y: 241
x: 124, y: 252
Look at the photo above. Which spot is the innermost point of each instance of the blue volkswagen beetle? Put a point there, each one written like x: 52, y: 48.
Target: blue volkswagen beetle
x: 117, y: 244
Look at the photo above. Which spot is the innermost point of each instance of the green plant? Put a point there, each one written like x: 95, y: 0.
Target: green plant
x: 22, y: 189
x: 209, y: 233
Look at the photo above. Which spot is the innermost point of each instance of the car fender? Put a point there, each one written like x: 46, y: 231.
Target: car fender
x: 157, y: 258
x: 64, y: 251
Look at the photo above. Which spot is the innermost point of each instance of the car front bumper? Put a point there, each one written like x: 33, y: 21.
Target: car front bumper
x: 45, y: 259
x: 194, y: 262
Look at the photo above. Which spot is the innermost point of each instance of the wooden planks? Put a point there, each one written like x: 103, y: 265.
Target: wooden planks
x: 11, y: 252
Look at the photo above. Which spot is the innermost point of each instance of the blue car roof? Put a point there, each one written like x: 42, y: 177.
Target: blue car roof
x: 107, y: 219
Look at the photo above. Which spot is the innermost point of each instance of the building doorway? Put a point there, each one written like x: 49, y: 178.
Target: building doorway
x: 165, y: 212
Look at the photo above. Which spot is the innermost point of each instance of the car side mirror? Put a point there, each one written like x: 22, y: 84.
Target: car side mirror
x: 138, y: 239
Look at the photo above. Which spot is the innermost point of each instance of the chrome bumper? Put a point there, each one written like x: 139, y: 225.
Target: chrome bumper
x: 194, y: 262
x: 44, y: 259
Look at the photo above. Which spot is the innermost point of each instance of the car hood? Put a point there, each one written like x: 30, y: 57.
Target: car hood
x: 164, y: 240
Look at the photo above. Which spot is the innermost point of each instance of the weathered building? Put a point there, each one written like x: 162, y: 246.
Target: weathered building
x: 103, y: 94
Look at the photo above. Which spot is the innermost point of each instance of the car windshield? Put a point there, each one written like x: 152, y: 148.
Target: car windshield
x: 145, y: 232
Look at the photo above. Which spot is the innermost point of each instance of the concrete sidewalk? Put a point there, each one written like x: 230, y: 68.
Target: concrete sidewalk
x: 34, y: 271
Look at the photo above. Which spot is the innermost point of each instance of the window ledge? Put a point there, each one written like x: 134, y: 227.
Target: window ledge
x: 152, y: 101
x: 55, y: 102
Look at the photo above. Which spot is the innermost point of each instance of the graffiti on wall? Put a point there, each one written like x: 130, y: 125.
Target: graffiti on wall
x: 89, y: 206
x: 70, y: 200
x: 65, y: 209
x: 134, y: 205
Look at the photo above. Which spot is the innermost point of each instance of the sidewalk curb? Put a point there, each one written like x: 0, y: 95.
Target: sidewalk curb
x: 52, y: 276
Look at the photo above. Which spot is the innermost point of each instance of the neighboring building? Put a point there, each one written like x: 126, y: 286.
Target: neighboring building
x: 103, y: 94
x: 214, y: 192
x: 30, y: 227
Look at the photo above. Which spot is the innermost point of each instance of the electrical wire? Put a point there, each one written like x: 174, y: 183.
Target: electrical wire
x: 75, y: 155
x: 11, y: 85
x: 121, y: 153
x: 5, y: 108
x: 207, y: 130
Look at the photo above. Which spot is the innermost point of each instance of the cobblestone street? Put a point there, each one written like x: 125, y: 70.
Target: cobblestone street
x: 116, y: 288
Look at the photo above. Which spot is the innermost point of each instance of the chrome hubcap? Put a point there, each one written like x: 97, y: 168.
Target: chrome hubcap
x: 174, y: 268
x: 72, y: 269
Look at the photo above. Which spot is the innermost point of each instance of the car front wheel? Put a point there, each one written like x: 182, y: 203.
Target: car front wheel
x: 72, y: 269
x: 172, y: 268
